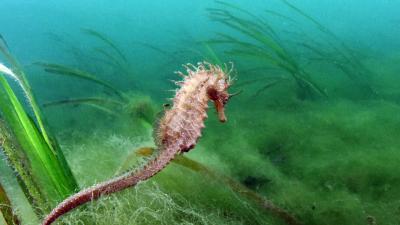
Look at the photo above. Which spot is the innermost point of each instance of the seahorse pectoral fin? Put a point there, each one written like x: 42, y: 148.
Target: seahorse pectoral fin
x: 219, y: 106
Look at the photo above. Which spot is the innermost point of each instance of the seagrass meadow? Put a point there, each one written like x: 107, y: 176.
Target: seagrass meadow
x: 311, y: 137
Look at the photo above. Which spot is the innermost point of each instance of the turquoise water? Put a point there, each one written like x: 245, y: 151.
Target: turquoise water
x: 313, y: 132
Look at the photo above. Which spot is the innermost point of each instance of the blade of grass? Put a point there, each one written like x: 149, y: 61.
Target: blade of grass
x: 20, y: 77
x: 18, y: 160
x: 47, y: 167
x: 267, y: 86
x: 105, y: 105
x: 93, y: 100
x: 6, y: 209
x: 106, y: 40
x: 55, y: 178
x: 263, y: 23
x: 111, y: 58
x: 267, y: 46
x: 73, y: 72
x: 356, y: 70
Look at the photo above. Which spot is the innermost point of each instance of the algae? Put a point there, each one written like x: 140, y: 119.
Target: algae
x: 331, y: 161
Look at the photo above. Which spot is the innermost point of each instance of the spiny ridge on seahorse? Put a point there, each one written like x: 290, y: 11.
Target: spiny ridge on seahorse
x: 177, y: 132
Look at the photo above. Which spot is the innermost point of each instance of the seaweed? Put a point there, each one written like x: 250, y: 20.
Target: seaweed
x: 106, y: 52
x: 342, y: 56
x: 106, y: 105
x: 6, y: 209
x: 237, y: 187
x: 94, y: 100
x: 73, y: 72
x: 258, y: 40
x: 115, y: 57
x: 19, y: 162
x: 263, y: 45
x: 17, y: 73
x: 48, y: 172
x: 134, y: 108
x: 105, y: 40
x: 112, y: 55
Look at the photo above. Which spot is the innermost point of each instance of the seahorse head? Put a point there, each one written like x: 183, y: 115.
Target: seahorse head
x: 218, y: 90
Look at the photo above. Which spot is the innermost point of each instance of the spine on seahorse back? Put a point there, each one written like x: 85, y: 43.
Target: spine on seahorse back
x: 178, y: 132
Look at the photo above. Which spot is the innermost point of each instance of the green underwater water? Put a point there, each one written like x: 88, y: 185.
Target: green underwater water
x: 314, y: 129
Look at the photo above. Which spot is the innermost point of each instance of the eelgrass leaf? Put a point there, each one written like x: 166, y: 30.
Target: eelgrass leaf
x: 22, y: 122
x: 74, y: 72
x: 107, y: 106
x: 106, y: 40
x: 19, y: 76
x: 110, y: 58
x: 226, y: 39
x: 267, y: 86
x: 51, y: 179
x: 19, y: 162
x: 263, y: 24
x: 267, y: 47
x: 6, y: 208
x: 109, y: 111
x: 93, y: 100
x: 355, y: 68
x: 54, y: 177
x: 318, y: 24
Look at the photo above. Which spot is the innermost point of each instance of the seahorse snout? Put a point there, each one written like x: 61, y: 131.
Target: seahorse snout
x: 219, y: 106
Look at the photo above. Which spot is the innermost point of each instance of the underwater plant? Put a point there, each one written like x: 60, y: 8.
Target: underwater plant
x: 31, y: 150
x: 333, y: 51
x: 114, y: 100
x: 177, y: 132
x: 6, y: 209
x: 131, y: 106
x: 134, y: 106
x: 73, y: 72
x: 268, y: 46
x: 236, y: 186
x: 263, y: 45
x: 110, y: 55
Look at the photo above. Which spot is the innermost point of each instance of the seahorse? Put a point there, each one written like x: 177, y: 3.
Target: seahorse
x: 177, y: 132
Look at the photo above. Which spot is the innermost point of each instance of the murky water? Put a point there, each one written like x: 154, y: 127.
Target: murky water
x: 311, y: 138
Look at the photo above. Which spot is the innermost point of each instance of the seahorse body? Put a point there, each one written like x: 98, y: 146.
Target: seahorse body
x: 178, y: 132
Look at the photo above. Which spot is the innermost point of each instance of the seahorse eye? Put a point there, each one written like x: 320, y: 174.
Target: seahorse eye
x: 212, y: 93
